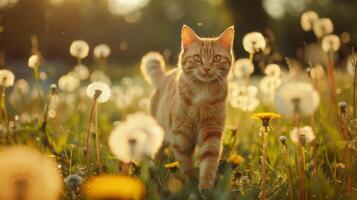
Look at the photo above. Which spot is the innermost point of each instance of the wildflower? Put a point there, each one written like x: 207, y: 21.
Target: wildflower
x: 68, y: 83
x: 243, y: 67
x: 254, y: 42
x: 34, y: 61
x: 79, y: 49
x: 172, y: 166
x: 295, y: 97
x: 302, y: 135
x: 7, y: 78
x: 27, y: 174
x: 81, y: 71
x: 236, y: 159
x: 100, y: 89
x: 322, y: 27
x: 308, y: 19
x: 101, y: 51
x: 272, y: 70
x: 331, y: 43
x: 266, y: 117
x: 130, y: 140
x: 100, y: 76
x: 283, y: 139
x: 114, y: 187
x: 175, y: 164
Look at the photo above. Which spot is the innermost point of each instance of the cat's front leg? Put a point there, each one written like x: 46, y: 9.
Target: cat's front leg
x: 209, y: 140
x: 182, y: 142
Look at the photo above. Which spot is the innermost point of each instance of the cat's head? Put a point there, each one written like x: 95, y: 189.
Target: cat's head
x: 206, y: 59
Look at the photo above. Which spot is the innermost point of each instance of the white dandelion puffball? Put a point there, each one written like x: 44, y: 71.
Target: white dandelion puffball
x: 292, y: 94
x: 101, y: 51
x: 243, y: 98
x: 317, y: 72
x: 68, y: 83
x: 81, y: 71
x: 139, y: 135
x: 28, y: 167
x: 351, y: 64
x: 331, y: 43
x: 100, y: 77
x: 272, y: 70
x: 269, y: 84
x: 7, y: 78
x: 322, y: 27
x: 308, y: 19
x: 302, y: 135
x: 243, y: 67
x: 79, y: 49
x: 254, y: 42
x: 34, y: 61
x: 103, y: 88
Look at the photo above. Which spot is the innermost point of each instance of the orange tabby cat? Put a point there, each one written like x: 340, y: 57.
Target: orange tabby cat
x: 189, y: 101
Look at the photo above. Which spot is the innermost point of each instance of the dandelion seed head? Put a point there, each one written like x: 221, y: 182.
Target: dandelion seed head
x: 294, y: 92
x: 99, y: 76
x: 308, y: 19
x: 96, y: 87
x: 25, y: 169
x: 79, y: 49
x: 34, y: 61
x: 283, y: 139
x: 22, y: 87
x: 7, y: 78
x: 130, y: 141
x: 243, y: 67
x: 351, y: 64
x: 317, y: 72
x: 302, y: 135
x: 269, y: 84
x: 272, y: 70
x: 73, y: 181
x: 101, y: 51
x: 81, y: 71
x: 322, y: 27
x: 68, y: 83
x: 254, y: 42
x: 331, y: 43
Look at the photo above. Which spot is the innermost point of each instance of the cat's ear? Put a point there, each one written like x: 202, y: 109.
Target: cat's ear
x: 227, y: 37
x: 188, y: 36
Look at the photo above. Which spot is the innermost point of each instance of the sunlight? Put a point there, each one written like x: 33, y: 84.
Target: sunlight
x: 123, y: 7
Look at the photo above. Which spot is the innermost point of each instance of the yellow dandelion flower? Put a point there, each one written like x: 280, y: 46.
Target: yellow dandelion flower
x: 175, y: 164
x: 266, y: 117
x: 236, y: 159
x: 114, y: 187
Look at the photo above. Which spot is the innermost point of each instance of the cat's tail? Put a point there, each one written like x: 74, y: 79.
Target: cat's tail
x: 153, y: 68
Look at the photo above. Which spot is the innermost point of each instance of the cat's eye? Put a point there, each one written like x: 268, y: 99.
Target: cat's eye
x: 217, y: 58
x: 197, y: 58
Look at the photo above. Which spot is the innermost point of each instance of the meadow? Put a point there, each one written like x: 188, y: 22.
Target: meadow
x: 290, y: 133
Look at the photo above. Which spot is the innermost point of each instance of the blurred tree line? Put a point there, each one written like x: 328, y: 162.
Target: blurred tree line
x: 156, y: 26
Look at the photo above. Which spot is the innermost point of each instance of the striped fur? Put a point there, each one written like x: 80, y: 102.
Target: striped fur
x: 189, y: 102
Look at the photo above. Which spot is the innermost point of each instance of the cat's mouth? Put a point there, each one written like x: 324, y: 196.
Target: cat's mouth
x: 206, y: 77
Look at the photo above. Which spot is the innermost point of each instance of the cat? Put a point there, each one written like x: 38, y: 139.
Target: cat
x: 189, y: 101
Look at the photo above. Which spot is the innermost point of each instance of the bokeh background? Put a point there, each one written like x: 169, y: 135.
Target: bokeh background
x: 133, y: 27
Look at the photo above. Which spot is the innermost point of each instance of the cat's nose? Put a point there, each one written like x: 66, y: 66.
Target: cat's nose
x: 206, y: 69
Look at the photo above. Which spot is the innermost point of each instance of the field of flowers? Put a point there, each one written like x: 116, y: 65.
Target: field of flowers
x: 290, y: 133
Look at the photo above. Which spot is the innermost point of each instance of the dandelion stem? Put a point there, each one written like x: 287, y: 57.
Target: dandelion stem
x: 4, y: 115
x: 331, y: 78
x: 86, y: 150
x: 314, y: 149
x: 286, y: 157
x: 97, y: 141
x: 346, y: 135
x: 38, y: 87
x: 43, y: 126
x: 262, y: 195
